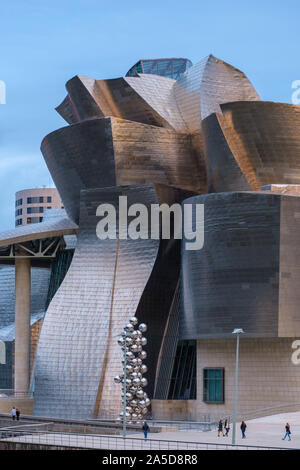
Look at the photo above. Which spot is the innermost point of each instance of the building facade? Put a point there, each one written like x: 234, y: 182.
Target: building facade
x: 31, y: 203
x: 171, y: 132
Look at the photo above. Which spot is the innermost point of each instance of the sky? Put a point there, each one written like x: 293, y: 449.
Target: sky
x: 44, y: 43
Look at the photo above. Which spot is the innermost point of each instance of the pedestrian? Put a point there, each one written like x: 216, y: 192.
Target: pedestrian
x: 287, y: 432
x: 243, y: 429
x: 146, y: 429
x: 220, y: 428
x: 13, y: 413
x: 227, y: 426
x: 18, y: 412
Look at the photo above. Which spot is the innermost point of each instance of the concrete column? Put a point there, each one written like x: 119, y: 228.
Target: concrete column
x: 22, y: 325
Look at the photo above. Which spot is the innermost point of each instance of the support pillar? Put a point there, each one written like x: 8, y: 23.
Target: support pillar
x: 22, y: 326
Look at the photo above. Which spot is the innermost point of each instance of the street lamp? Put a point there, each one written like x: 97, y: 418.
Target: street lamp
x: 237, y: 332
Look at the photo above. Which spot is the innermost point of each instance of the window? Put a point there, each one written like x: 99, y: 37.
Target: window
x: 213, y: 385
x: 19, y: 202
x: 49, y: 199
x: 35, y: 200
x: 18, y: 212
x: 34, y: 210
x: 34, y: 220
x: 18, y: 222
x: 183, y: 379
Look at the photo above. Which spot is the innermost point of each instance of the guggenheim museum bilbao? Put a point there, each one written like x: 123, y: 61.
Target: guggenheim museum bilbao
x: 167, y: 132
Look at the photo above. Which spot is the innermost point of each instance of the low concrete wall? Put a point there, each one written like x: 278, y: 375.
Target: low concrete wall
x: 72, y: 425
x: 175, y: 410
x: 25, y: 405
x: 26, y: 446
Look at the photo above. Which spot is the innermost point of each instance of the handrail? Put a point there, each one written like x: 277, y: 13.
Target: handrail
x: 143, y: 441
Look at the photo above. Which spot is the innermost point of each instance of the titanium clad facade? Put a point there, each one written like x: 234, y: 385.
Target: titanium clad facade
x: 107, y: 152
x: 80, y: 157
x: 167, y: 132
x: 202, y: 88
x: 89, y: 99
x: 234, y: 279
x: 78, y: 354
x: 264, y: 139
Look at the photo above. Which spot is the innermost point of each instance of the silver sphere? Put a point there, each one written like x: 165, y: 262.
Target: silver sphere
x: 144, y: 382
x: 118, y: 379
x: 129, y: 328
x: 134, y: 416
x: 139, y: 334
x: 133, y: 375
x: 129, y: 396
x: 129, y: 409
x: 144, y: 411
x: 142, y: 403
x: 143, y: 355
x: 129, y: 369
x: 140, y: 394
x: 133, y: 320
x: 121, y: 341
x: 129, y: 341
x: 127, y: 415
x: 147, y: 401
x: 137, y: 381
x: 134, y: 334
x: 134, y: 403
x: 143, y: 341
x: 139, y: 361
x: 144, y: 368
x: 143, y: 327
x: 134, y: 348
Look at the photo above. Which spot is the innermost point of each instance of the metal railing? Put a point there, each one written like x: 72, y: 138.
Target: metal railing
x: 92, y: 441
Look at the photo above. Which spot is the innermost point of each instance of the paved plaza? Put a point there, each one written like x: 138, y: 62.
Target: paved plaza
x: 261, y: 432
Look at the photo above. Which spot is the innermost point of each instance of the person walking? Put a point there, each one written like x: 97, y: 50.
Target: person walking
x: 220, y: 428
x: 145, y: 429
x: 13, y: 413
x: 18, y: 412
x: 226, y: 427
x: 243, y: 429
x: 287, y: 432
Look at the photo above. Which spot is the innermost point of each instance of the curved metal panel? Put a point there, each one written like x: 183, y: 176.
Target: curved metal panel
x: 80, y: 157
x: 89, y: 98
x: 78, y: 354
x: 203, y: 87
x: 234, y: 280
x: 108, y: 151
x: 264, y: 138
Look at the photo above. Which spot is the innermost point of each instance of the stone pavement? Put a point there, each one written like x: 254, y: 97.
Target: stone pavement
x: 265, y: 432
